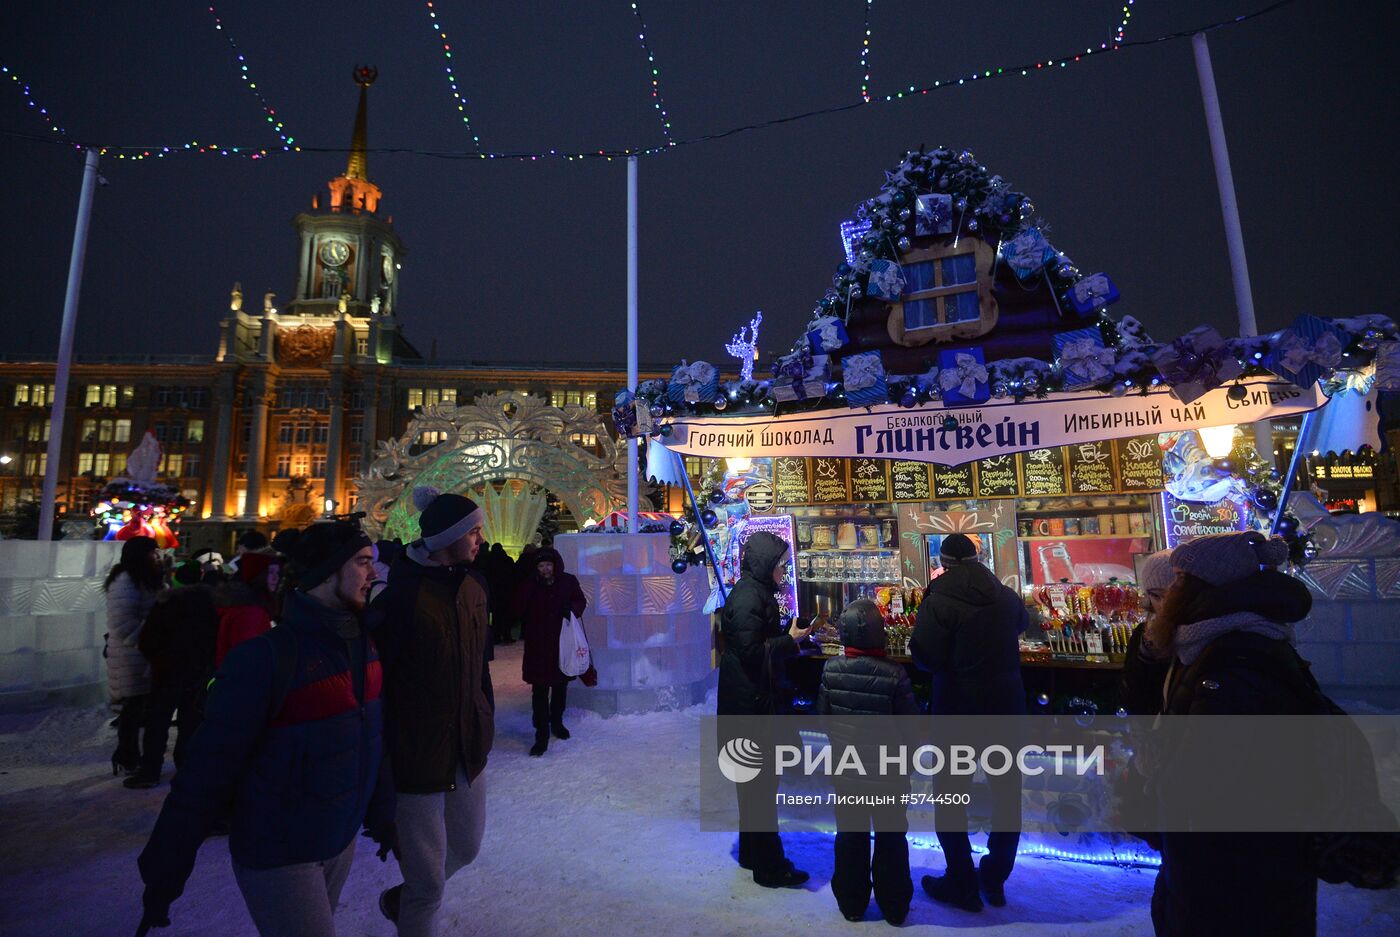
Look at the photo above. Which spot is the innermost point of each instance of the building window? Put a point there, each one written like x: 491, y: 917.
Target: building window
x: 247, y: 431
x: 192, y: 466
x: 590, y: 400
x: 177, y: 431
x: 165, y: 395
x: 102, y: 464
x: 159, y: 431
x: 556, y: 398
x: 362, y: 345
x: 353, y: 466
x: 323, y: 433
x: 318, y: 467
x: 84, y: 463
x: 173, y: 464
x: 199, y: 398
x: 194, y: 431
x: 90, y: 430
x: 93, y: 397
x: 357, y: 431
x: 431, y: 437
x: 449, y: 395
x: 357, y: 399
x: 947, y: 294
x: 105, y: 430
x: 283, y: 467
x: 122, y: 431
x: 284, y: 432
x: 118, y: 463
x: 80, y: 498
x: 37, y: 395
x: 109, y: 395
x: 587, y: 440
x: 21, y: 395
x: 36, y: 463
x: 303, y: 434
x: 429, y: 396
x: 415, y: 398
x: 575, y: 398
x: 38, y: 431
x: 128, y: 395
x: 301, y: 465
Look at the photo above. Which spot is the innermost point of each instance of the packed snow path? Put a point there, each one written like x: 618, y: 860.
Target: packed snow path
x: 598, y: 838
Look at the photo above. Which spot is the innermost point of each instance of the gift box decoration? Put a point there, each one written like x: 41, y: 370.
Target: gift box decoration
x: 1027, y: 253
x: 1196, y: 362
x: 1307, y: 350
x: 1093, y: 292
x: 962, y: 375
x: 826, y: 334
x: 863, y: 377
x: 934, y: 214
x: 800, y: 375
x: 692, y: 383
x: 1388, y: 366
x: 1083, y: 357
x: 886, y: 280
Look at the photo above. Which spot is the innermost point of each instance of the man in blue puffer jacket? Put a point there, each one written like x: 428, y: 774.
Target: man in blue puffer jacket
x: 292, y: 739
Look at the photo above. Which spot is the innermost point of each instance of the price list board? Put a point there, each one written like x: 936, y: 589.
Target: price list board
x: 952, y: 482
x: 996, y: 477
x: 909, y: 481
x: 791, y: 483
x: 1043, y: 473
x: 829, y: 481
x: 870, y: 480
x: 1139, y: 464
x: 1091, y: 468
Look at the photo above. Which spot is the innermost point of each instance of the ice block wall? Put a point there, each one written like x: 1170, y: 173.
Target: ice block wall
x: 646, y: 625
x: 52, y: 618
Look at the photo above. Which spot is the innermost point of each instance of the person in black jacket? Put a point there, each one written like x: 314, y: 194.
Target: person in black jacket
x: 1225, y: 628
x: 754, y: 644
x: 967, y: 634
x: 500, y: 578
x: 178, y: 639
x: 291, y: 740
x: 431, y: 625
x: 864, y: 683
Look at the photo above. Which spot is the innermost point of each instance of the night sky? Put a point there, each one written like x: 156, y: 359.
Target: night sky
x: 526, y: 261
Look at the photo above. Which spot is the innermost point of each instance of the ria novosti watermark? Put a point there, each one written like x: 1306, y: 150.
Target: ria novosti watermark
x: 740, y: 760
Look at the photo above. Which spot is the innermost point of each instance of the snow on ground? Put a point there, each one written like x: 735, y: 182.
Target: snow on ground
x: 599, y: 838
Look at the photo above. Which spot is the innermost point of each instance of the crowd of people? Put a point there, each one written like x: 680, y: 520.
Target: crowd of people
x: 322, y: 685
x: 1219, y: 639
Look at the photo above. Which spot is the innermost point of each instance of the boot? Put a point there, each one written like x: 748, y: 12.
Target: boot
x: 389, y: 902
x: 541, y: 744
x: 786, y: 876
x: 994, y: 889
x: 141, y: 782
x: 559, y: 731
x: 950, y: 891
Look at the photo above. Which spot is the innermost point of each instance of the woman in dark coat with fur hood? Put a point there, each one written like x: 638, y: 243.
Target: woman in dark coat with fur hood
x: 1225, y: 630
x: 754, y: 643
x: 543, y: 600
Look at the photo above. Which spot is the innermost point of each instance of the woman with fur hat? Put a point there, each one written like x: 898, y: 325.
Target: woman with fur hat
x: 131, y: 590
x: 1224, y: 630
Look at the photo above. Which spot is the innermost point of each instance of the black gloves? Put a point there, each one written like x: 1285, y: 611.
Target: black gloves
x: 387, y: 836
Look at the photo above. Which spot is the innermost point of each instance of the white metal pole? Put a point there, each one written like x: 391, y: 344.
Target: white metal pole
x: 632, y: 335
x: 1234, y: 235
x: 65, y: 346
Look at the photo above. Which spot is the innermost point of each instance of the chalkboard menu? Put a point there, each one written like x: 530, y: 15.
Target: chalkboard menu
x: 996, y: 477
x: 909, y: 481
x: 1091, y: 468
x: 869, y: 480
x: 952, y: 482
x: 1042, y: 472
x: 829, y: 481
x: 1139, y: 463
x: 790, y: 480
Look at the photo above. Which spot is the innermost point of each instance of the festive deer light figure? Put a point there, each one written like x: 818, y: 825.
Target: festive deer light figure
x: 746, y: 348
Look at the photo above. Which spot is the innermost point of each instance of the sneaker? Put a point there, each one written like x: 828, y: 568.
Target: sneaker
x: 946, y: 890
x: 559, y: 731
x: 141, y: 782
x: 785, y: 877
x: 389, y: 902
x: 994, y: 891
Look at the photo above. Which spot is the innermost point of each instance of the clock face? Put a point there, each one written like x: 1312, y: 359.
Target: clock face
x: 334, y: 253
x: 388, y: 259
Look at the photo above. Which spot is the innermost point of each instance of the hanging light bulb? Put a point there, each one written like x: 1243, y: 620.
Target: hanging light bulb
x: 1218, y: 440
x: 738, y: 465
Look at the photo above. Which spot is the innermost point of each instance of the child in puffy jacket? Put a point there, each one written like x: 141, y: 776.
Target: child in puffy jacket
x: 864, y: 683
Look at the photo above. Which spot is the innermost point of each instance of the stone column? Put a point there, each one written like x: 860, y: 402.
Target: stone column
x: 257, y: 395
x: 304, y: 266
x: 223, y: 448
x: 337, y: 400
x: 371, y: 427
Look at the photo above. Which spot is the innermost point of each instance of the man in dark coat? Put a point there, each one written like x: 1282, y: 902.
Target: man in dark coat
x: 431, y: 626
x: 500, y: 578
x: 178, y: 639
x: 755, y: 643
x: 542, y: 603
x: 291, y: 740
x: 967, y: 635
x: 863, y: 683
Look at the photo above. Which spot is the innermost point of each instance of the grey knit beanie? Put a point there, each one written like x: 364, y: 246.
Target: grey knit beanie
x: 1157, y: 572
x: 1224, y: 558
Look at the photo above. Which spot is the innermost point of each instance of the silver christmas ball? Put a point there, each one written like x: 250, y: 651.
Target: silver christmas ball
x: 973, y: 225
x: 1031, y: 382
x: 904, y: 214
x: 657, y: 411
x: 903, y: 243
x: 856, y: 293
x: 960, y: 204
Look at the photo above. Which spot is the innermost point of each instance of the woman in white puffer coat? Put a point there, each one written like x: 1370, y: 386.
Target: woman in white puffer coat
x: 131, y: 588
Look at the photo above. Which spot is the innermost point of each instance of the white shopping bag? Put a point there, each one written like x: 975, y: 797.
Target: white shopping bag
x: 574, y: 657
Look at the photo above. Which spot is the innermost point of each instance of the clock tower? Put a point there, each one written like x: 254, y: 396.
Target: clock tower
x: 349, y: 256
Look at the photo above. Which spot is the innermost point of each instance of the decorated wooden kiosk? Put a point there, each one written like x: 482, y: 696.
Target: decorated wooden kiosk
x: 963, y: 376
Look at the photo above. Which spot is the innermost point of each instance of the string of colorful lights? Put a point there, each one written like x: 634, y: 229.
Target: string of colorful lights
x: 865, y: 55
x: 29, y: 101
x: 268, y: 110
x: 452, y: 77
x: 126, y: 151
x: 657, y: 101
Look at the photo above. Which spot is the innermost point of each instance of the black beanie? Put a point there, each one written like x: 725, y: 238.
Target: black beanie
x: 323, y: 548
x: 956, y: 548
x: 445, y: 518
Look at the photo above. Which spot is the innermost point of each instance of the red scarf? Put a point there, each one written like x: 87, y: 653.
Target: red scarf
x: 866, y: 652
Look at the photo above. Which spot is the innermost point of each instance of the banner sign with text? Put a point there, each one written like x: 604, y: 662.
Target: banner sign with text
x: 992, y: 429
